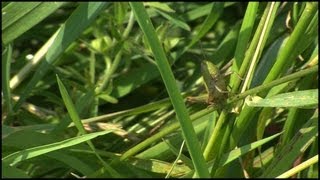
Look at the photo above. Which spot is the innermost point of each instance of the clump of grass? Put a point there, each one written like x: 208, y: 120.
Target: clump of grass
x: 99, y: 89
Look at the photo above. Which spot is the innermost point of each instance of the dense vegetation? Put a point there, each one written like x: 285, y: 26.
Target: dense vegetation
x: 100, y: 89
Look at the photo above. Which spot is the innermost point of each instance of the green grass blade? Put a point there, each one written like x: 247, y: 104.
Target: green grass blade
x: 134, y: 111
x: 300, y: 167
x: 70, y: 107
x: 244, y: 37
x: 197, y: 12
x: 19, y: 156
x: 298, y: 144
x: 80, y: 19
x: 14, y: 11
x: 299, y: 99
x: 161, y: 6
x: 234, y: 154
x: 76, y: 120
x: 285, y: 56
x: 172, y: 89
x: 175, y: 20
x: 254, y: 44
x: 6, y: 62
x: 22, y: 16
x: 216, y: 11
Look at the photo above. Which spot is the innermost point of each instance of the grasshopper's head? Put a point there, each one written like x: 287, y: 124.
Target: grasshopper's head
x: 209, y: 69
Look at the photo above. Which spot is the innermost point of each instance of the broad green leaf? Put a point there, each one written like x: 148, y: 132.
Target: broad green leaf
x: 301, y: 99
x: 133, y: 79
x: 12, y: 172
x: 72, y: 162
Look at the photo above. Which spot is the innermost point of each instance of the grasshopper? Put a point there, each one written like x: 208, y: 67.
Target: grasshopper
x: 214, y: 83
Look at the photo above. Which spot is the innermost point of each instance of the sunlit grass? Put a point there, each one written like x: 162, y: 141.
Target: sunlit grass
x: 127, y: 79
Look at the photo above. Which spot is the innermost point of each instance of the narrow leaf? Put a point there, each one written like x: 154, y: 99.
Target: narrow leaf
x: 19, y: 156
x: 302, y: 99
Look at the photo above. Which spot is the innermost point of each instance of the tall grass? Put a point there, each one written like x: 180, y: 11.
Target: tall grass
x: 96, y: 89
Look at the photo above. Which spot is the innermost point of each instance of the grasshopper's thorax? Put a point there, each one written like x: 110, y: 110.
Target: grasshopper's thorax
x: 209, y: 68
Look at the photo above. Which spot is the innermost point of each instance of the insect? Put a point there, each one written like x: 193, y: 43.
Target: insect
x: 214, y: 83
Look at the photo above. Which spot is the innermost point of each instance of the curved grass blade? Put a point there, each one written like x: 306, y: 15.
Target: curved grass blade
x: 76, y: 120
x: 19, y: 156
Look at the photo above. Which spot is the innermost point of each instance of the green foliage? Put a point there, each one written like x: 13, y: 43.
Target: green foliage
x: 99, y: 89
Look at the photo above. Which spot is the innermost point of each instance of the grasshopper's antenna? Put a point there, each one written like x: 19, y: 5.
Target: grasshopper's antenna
x: 204, y: 55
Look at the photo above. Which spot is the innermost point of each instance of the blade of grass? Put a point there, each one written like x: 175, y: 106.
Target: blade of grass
x: 76, y: 120
x: 267, y: 86
x: 14, y: 11
x: 293, y: 118
x: 252, y: 48
x: 300, y: 99
x: 298, y: 144
x: 244, y: 36
x: 175, y: 161
x: 300, y: 167
x: 79, y: 20
x: 6, y: 62
x: 70, y: 107
x: 216, y: 11
x: 22, y: 16
x: 229, y: 157
x: 172, y: 89
x: 174, y: 20
x: 162, y: 6
x: 285, y: 56
x: 261, y: 43
x: 236, y: 153
x: 19, y: 156
x: 284, y: 59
